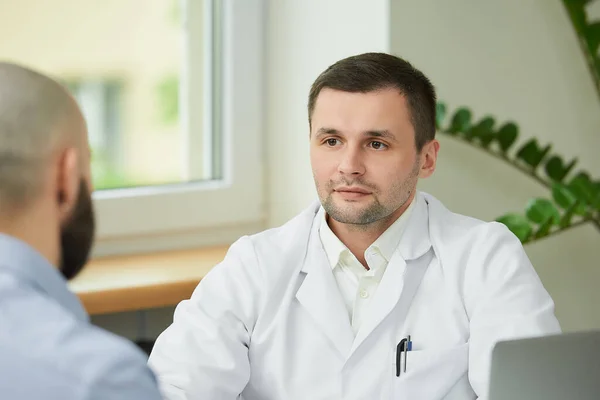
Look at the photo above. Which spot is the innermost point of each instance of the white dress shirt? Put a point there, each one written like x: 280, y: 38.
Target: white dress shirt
x: 357, y: 284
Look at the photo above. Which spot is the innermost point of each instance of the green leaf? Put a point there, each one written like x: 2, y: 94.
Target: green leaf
x: 483, y: 130
x: 540, y: 210
x: 461, y: 121
x: 517, y: 224
x: 544, y: 228
x: 565, y: 220
x: 588, y: 34
x: 592, y: 35
x: 440, y: 114
x: 566, y: 199
x: 507, y: 135
x: 596, y: 203
x: 577, y: 13
x: 582, y: 187
x: 532, y: 154
x: 557, y: 170
x: 562, y: 196
x: 594, y: 188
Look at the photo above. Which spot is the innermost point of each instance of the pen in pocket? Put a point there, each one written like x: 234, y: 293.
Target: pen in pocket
x: 404, y: 346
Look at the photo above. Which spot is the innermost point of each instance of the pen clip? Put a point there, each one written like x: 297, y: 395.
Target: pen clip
x: 404, y: 346
x: 399, y: 350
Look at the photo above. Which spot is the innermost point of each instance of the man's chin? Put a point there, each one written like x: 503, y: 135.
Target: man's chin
x: 348, y: 212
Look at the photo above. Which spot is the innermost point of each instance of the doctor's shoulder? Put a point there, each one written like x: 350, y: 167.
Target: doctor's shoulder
x: 464, y: 231
x: 476, y: 244
x: 262, y: 259
x: 272, y: 247
x: 489, y: 261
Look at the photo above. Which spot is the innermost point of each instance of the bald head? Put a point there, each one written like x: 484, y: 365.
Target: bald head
x: 37, y: 118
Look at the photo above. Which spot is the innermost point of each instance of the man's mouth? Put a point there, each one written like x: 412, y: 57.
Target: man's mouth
x: 352, y: 192
x: 352, y: 189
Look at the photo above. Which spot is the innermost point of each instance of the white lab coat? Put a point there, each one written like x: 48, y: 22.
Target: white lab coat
x: 269, y: 322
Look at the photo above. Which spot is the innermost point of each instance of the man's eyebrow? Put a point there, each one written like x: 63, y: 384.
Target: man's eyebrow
x: 384, y: 134
x: 327, y: 131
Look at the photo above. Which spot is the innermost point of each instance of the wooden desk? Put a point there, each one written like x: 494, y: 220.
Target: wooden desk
x: 133, y: 283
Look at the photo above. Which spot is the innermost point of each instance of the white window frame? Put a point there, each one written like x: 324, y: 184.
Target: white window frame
x: 206, y: 212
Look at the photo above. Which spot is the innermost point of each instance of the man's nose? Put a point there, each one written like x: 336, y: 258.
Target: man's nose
x: 351, y: 162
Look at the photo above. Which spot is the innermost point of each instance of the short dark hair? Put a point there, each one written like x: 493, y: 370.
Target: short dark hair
x: 370, y: 72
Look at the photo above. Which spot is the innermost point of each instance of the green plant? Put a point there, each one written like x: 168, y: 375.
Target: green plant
x: 588, y: 34
x: 574, y: 196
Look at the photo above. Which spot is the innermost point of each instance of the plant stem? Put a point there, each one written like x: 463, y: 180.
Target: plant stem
x: 529, y: 172
x: 501, y: 156
x: 590, y: 58
x: 597, y: 223
x: 560, y: 230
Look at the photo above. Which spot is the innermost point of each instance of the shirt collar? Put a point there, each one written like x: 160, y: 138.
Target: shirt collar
x: 27, y: 264
x: 334, y: 248
x: 385, y: 244
x: 389, y: 240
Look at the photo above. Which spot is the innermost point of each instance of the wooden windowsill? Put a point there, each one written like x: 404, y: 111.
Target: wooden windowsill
x: 139, y: 282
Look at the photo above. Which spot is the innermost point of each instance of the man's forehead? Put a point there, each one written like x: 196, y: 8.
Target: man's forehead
x: 377, y: 104
x: 389, y: 92
x: 349, y: 106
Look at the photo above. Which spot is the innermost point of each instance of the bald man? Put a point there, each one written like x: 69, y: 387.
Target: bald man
x: 48, y: 348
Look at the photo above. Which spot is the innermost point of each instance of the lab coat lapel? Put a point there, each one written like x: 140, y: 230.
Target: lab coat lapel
x: 320, y: 296
x: 403, y: 274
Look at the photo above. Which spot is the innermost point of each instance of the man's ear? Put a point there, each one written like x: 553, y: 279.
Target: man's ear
x: 429, y: 158
x: 67, y: 182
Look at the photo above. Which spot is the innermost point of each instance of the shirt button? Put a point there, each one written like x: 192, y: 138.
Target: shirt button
x: 364, y: 294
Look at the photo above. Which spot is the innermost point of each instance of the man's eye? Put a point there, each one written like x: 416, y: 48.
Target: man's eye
x: 331, y: 142
x: 378, y: 145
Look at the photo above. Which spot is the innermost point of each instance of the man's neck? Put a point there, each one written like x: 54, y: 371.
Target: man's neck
x: 357, y: 238
x: 31, y: 228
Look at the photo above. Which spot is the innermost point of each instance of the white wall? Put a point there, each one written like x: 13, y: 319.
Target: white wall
x: 304, y: 38
x: 533, y: 73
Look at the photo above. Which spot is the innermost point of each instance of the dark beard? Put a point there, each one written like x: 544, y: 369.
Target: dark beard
x: 77, y: 235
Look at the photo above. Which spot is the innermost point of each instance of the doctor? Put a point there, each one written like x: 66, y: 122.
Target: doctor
x: 375, y: 292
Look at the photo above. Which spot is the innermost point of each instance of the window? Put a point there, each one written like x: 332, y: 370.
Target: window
x: 102, y: 104
x: 172, y: 95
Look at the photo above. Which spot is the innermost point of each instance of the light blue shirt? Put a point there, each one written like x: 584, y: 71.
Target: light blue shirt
x: 48, y: 348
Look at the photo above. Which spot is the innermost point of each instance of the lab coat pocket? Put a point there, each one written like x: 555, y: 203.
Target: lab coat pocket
x: 430, y: 373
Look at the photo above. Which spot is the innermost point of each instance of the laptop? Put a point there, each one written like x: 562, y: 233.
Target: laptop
x: 556, y: 367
